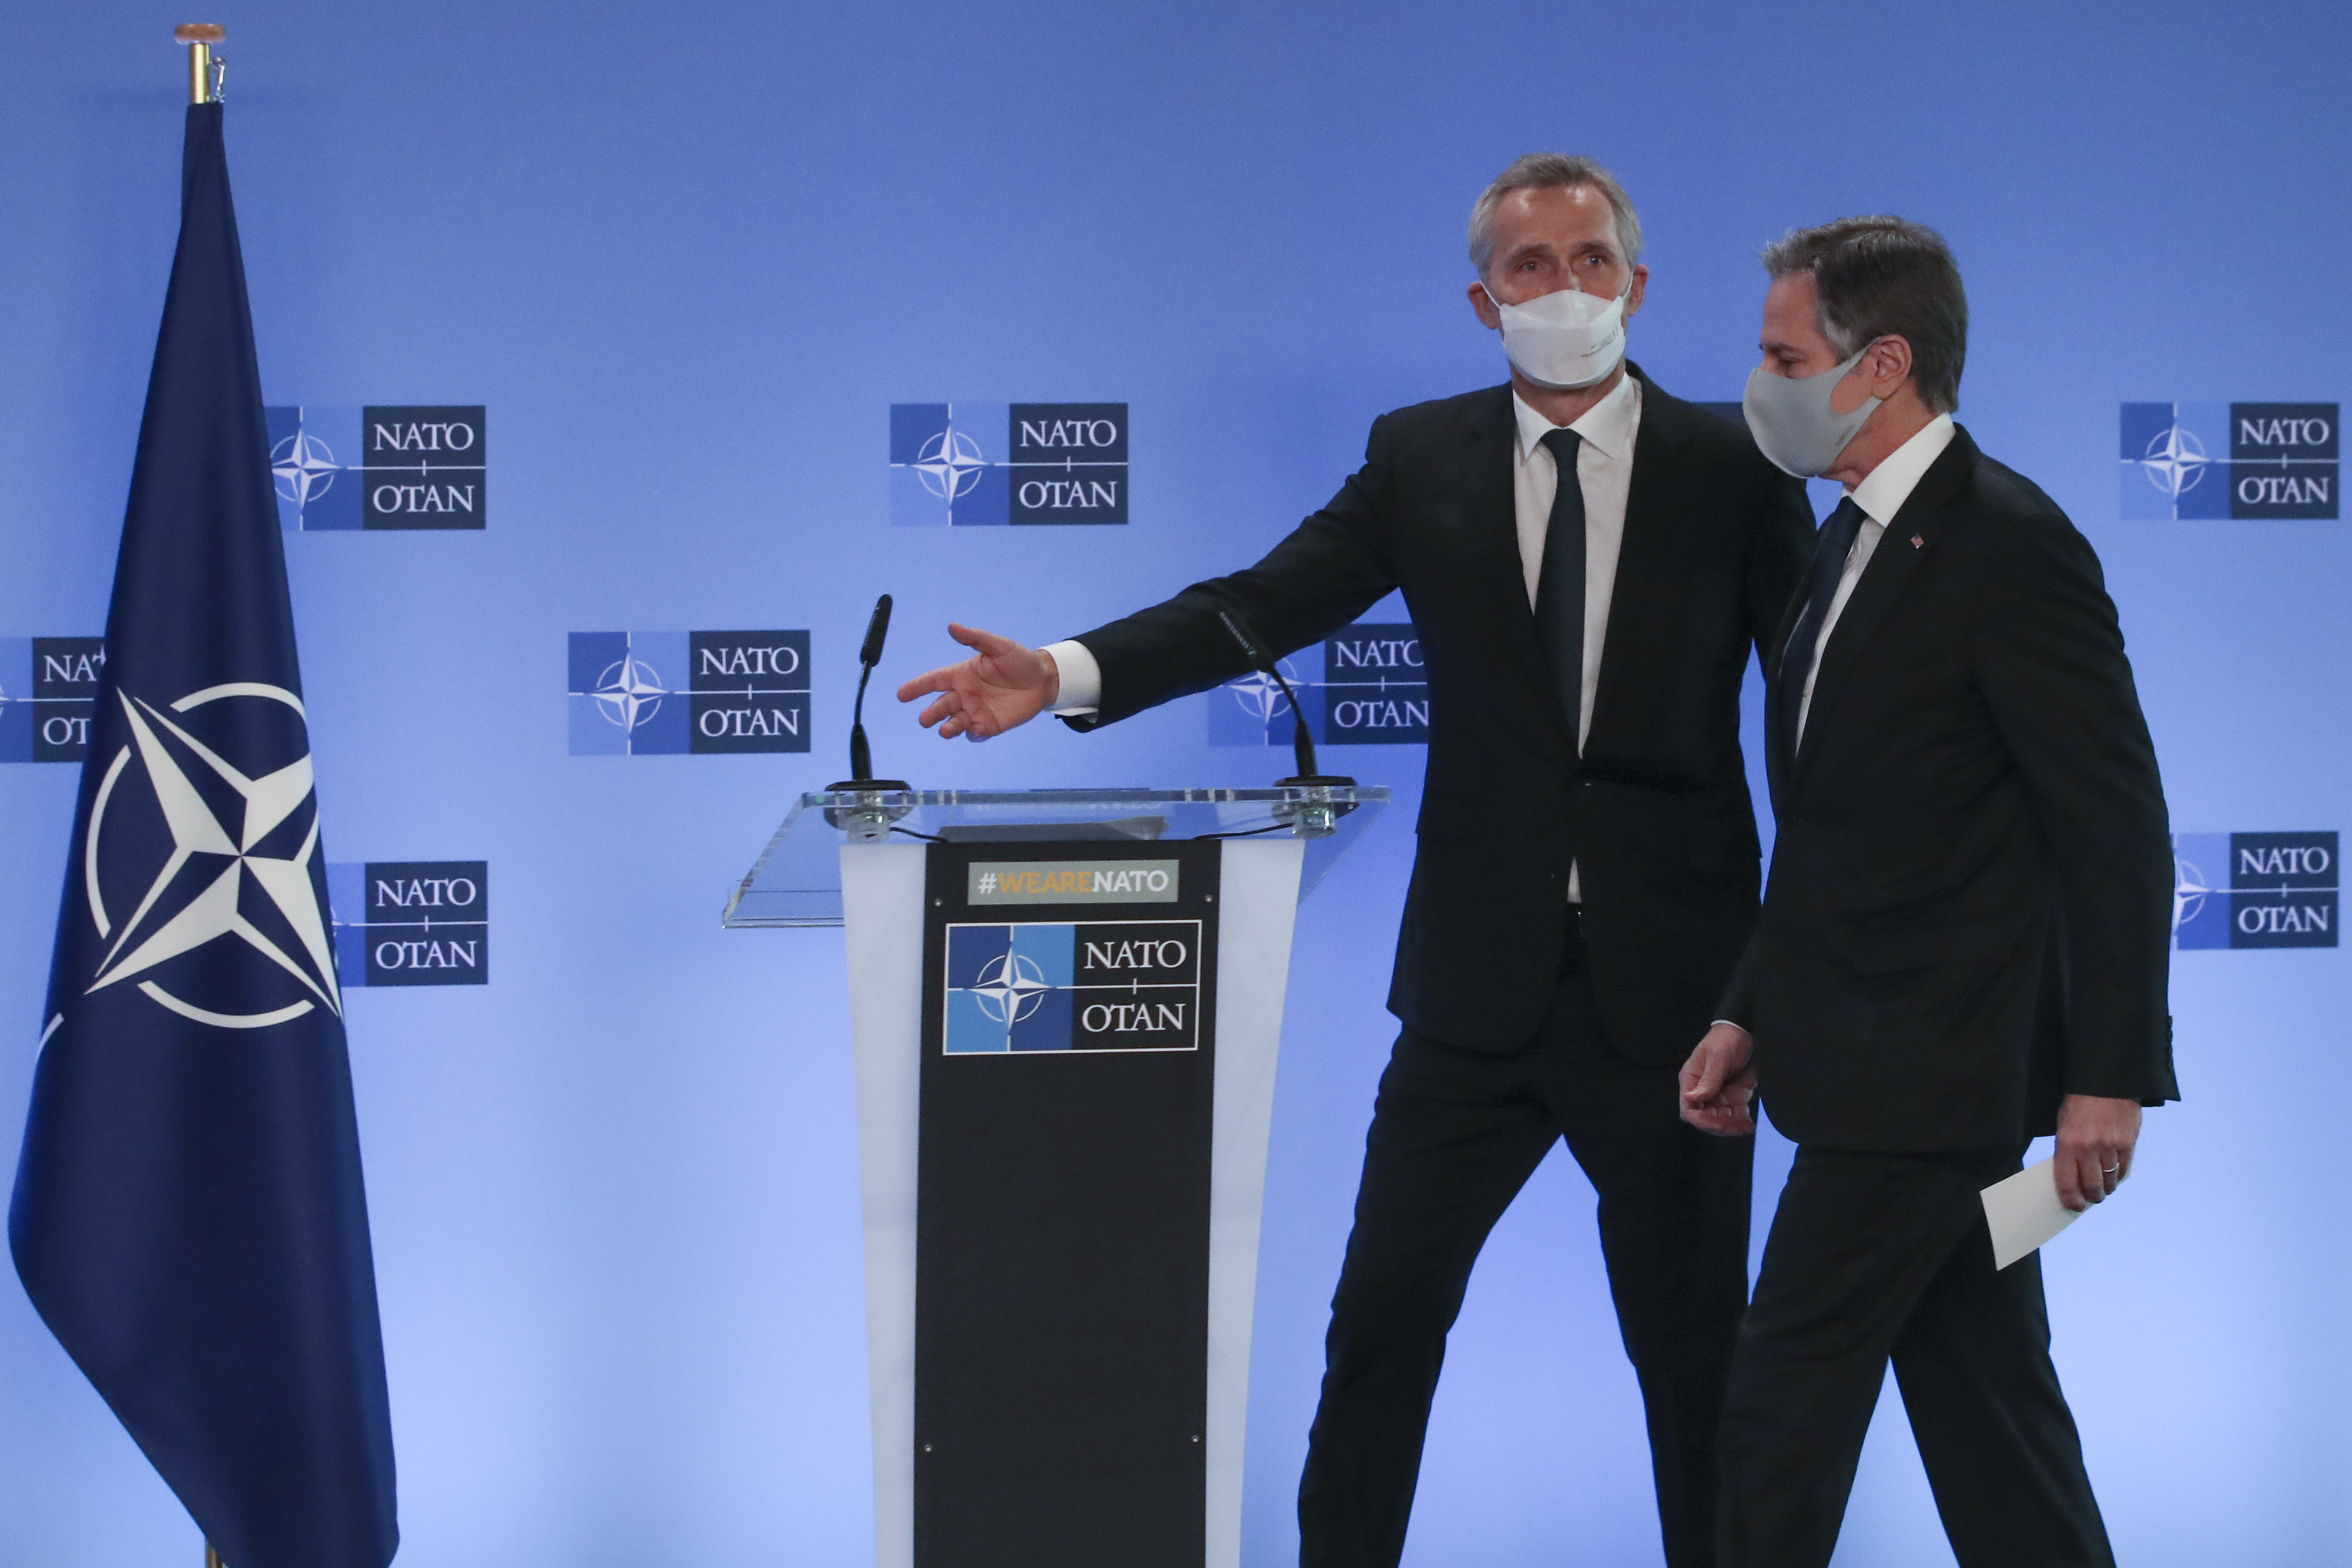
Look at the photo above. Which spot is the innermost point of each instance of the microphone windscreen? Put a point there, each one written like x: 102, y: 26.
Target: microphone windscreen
x: 876, y: 630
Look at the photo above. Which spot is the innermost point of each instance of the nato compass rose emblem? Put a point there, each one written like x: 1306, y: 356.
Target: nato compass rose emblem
x: 629, y: 692
x: 2189, y: 891
x: 238, y: 867
x: 950, y: 464
x: 1009, y: 988
x: 1260, y: 697
x: 2175, y: 461
x: 303, y: 466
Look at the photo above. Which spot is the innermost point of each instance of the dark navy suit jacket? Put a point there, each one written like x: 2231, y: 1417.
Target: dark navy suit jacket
x: 1971, y: 908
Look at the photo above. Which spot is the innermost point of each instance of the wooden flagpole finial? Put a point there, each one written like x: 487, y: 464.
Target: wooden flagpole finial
x: 204, y: 75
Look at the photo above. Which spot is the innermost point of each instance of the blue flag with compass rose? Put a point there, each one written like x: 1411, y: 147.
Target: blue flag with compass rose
x: 188, y: 1213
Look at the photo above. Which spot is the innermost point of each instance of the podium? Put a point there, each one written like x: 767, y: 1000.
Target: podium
x: 1066, y: 1007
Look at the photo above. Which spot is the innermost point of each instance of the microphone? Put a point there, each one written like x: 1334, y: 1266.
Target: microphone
x: 1302, y: 744
x: 861, y: 754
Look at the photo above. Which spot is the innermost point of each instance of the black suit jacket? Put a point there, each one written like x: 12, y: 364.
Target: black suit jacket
x: 1970, y: 907
x: 1656, y: 814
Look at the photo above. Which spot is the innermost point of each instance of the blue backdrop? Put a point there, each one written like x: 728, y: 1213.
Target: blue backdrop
x: 683, y: 261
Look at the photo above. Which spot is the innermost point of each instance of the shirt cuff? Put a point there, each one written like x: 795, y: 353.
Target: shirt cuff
x: 1081, y: 678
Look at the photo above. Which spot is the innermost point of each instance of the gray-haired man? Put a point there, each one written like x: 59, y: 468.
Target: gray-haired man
x: 1588, y: 863
x: 1966, y: 941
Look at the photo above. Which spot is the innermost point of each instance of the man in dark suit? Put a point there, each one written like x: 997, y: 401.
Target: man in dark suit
x: 1588, y: 561
x: 1964, y: 942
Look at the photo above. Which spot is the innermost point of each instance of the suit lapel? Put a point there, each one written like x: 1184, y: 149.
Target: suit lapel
x: 1497, y: 593
x: 1910, y: 537
x: 1645, y: 548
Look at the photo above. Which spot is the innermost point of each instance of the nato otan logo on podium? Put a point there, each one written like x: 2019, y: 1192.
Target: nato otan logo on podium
x: 1073, y: 986
x: 410, y: 923
x: 1365, y: 686
x: 381, y: 466
x: 2254, y: 889
x: 688, y: 694
x: 2184, y: 461
x: 47, y: 688
x: 989, y: 464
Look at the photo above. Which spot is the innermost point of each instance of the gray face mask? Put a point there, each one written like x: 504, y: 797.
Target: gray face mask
x: 1793, y: 422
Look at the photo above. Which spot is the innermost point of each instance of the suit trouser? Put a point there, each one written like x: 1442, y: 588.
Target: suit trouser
x: 1456, y: 1133
x: 1880, y: 1257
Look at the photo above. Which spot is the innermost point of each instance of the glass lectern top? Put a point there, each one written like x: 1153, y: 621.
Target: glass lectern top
x: 797, y: 880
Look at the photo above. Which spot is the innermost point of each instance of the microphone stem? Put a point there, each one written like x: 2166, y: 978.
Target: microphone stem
x: 861, y: 760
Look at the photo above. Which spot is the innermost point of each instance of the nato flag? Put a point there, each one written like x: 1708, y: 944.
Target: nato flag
x: 188, y: 1213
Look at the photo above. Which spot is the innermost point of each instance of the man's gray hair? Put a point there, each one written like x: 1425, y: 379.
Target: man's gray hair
x: 1543, y: 170
x: 1882, y: 276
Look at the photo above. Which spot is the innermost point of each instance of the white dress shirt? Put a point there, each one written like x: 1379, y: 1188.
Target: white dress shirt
x: 1880, y: 495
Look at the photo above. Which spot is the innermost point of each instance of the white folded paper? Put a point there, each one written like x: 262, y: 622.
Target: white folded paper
x: 2023, y: 1212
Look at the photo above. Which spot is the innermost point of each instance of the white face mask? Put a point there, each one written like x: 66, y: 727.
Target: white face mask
x: 1793, y: 422
x: 1565, y: 340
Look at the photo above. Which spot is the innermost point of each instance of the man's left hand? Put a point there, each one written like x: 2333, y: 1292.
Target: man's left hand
x: 2096, y: 1135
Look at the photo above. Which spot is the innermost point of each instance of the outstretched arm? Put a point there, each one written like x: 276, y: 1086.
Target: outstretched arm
x: 1002, y: 685
x: 1329, y: 571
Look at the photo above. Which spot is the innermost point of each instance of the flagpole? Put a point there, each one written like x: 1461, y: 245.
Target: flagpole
x: 203, y: 66
x: 203, y: 87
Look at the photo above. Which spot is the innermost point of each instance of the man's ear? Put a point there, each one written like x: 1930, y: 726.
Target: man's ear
x: 1484, y: 304
x: 1888, y: 365
x: 1640, y: 289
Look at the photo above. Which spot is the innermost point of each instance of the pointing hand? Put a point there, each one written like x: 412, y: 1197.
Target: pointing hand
x: 1002, y: 685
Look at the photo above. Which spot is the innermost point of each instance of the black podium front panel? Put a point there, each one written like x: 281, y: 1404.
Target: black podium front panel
x: 1061, y: 1287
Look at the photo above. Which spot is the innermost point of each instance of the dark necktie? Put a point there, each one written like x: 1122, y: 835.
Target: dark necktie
x: 1835, y: 543
x: 1559, y: 582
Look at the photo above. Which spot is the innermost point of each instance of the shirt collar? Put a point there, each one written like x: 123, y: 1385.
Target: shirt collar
x: 1609, y: 424
x: 1885, y: 488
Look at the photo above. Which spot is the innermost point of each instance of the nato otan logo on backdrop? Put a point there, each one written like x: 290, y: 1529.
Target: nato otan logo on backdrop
x: 382, y: 466
x: 2228, y: 460
x: 2254, y: 889
x: 1364, y: 686
x: 988, y: 464
x: 1073, y: 986
x: 668, y: 693
x: 47, y: 688
x: 410, y: 923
